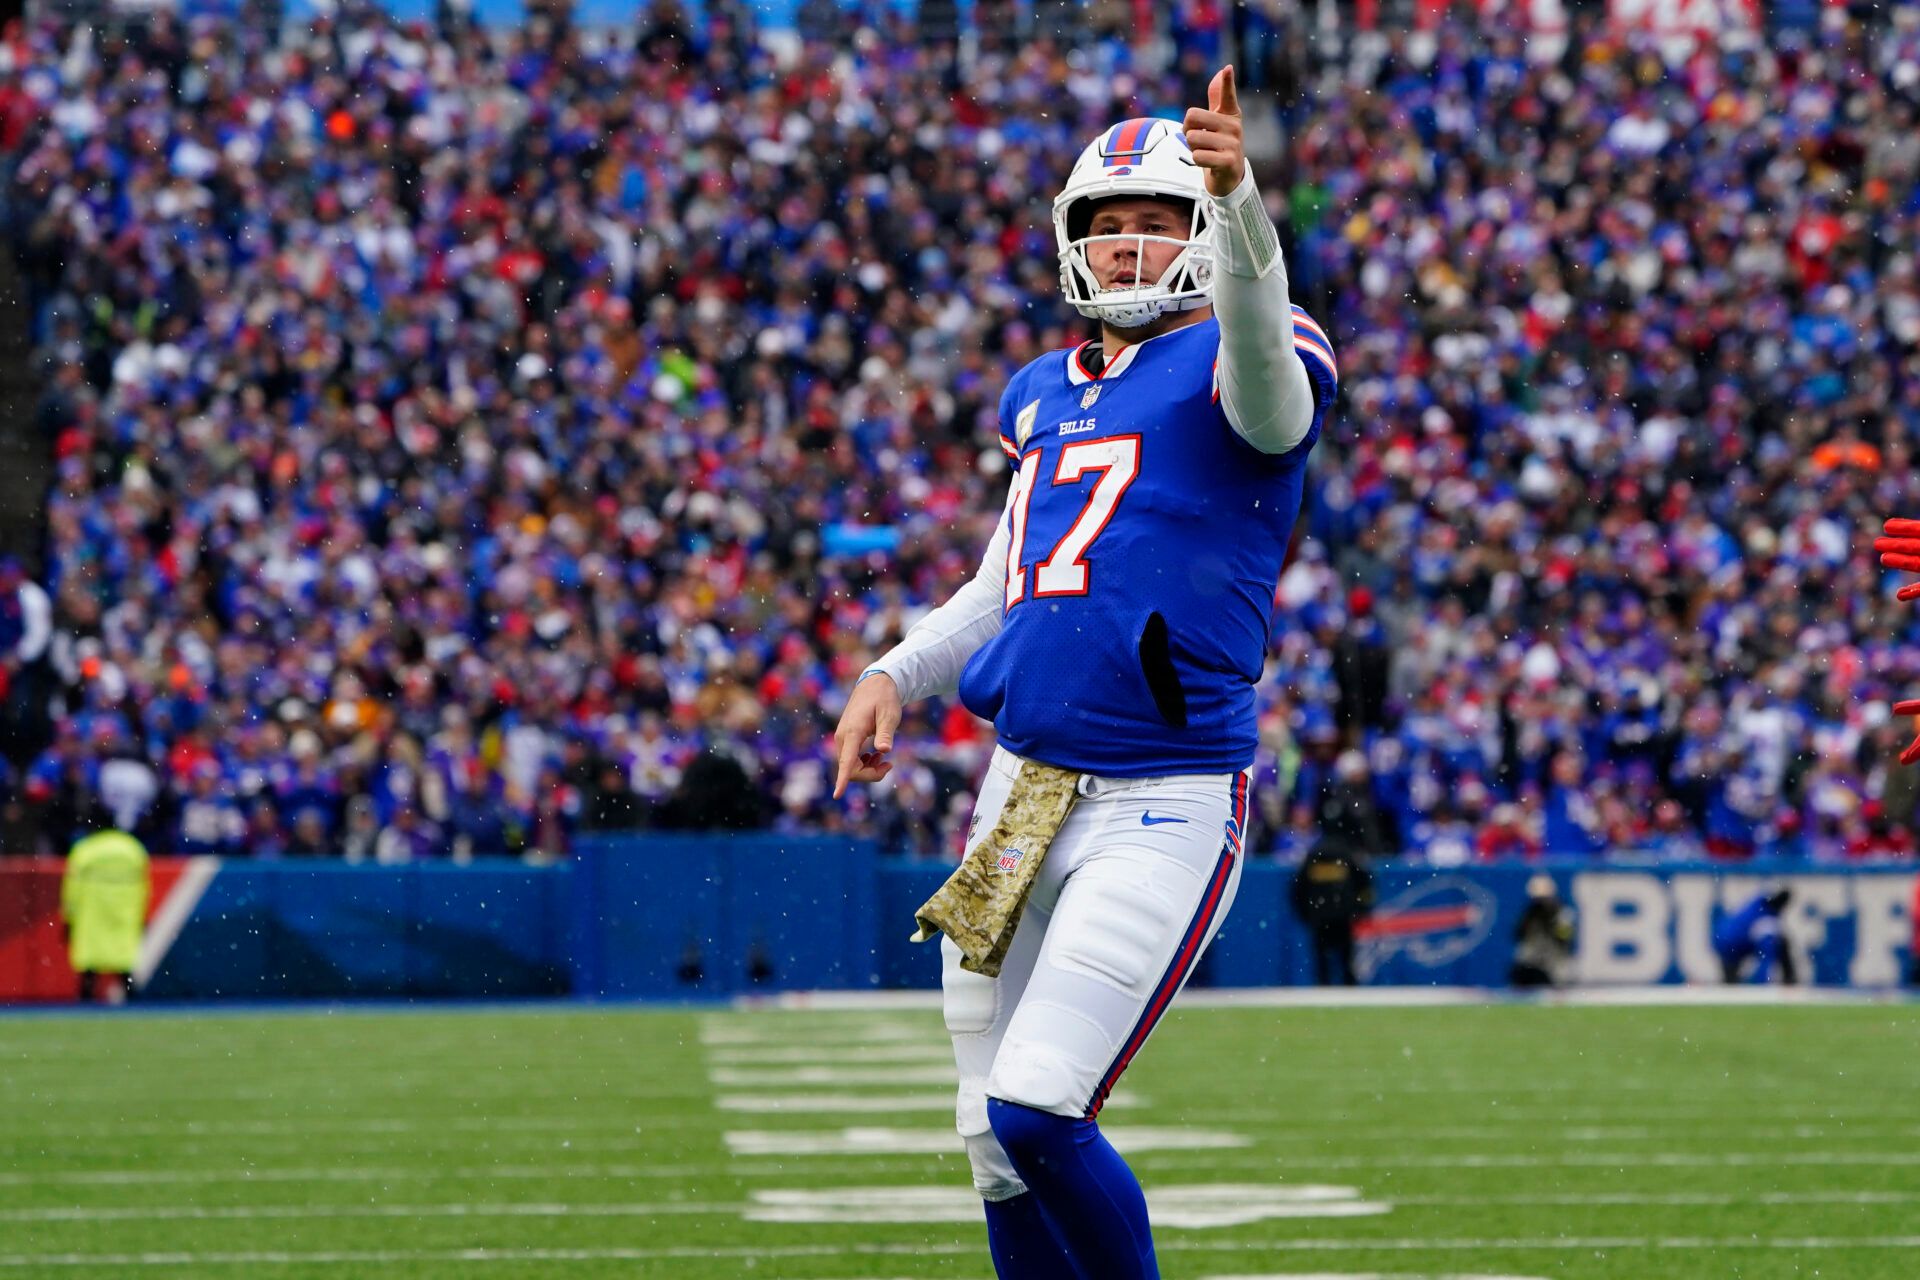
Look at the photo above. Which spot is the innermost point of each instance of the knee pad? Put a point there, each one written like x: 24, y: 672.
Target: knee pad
x: 967, y: 1000
x: 993, y: 1173
x: 970, y: 1109
x: 1057, y: 1073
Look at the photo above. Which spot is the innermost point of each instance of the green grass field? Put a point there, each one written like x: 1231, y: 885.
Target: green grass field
x: 1502, y: 1140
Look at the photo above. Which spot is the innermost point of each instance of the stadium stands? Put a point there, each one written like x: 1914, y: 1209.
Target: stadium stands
x: 464, y: 438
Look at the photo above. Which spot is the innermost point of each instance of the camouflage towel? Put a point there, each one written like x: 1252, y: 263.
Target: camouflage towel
x: 980, y: 904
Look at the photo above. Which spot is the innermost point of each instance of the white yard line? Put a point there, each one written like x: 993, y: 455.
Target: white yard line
x: 405, y: 1174
x: 729, y: 1031
x: 1288, y: 1133
x: 881, y: 1141
x: 689, y: 1208
x: 244, y: 1213
x: 1569, y: 1159
x: 789, y: 1077
x: 338, y: 1124
x: 1673, y: 1199
x: 931, y: 1050
x: 1145, y: 1140
x: 835, y: 1103
x: 366, y: 1257
x: 828, y: 1104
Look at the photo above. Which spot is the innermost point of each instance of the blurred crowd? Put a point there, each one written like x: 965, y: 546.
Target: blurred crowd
x: 465, y: 439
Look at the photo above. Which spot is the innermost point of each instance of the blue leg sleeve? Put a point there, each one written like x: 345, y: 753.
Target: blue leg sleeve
x: 1023, y: 1245
x: 1085, y: 1190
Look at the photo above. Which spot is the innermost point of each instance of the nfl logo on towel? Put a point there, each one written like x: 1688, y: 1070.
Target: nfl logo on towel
x: 1010, y: 858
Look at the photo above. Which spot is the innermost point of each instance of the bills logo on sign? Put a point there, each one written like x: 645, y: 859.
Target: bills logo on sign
x: 1433, y: 924
x: 1010, y: 858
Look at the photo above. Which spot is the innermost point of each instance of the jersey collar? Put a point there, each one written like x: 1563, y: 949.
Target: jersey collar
x: 1078, y: 373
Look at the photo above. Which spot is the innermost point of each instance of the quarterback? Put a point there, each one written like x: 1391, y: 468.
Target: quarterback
x: 1113, y: 635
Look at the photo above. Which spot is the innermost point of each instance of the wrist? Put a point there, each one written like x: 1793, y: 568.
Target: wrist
x: 1242, y: 190
x: 1245, y: 243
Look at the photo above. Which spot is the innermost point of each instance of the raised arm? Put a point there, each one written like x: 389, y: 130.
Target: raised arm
x: 1265, y: 390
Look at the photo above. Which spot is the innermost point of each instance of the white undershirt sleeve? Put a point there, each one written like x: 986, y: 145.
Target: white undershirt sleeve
x: 929, y: 659
x: 1264, y: 387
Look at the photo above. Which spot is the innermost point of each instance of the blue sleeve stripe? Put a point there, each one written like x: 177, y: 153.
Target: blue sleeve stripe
x: 1308, y: 329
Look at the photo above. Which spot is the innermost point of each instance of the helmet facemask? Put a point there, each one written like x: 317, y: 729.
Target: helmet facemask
x: 1185, y: 284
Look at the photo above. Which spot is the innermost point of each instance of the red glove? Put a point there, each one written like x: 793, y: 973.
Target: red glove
x: 1899, y: 548
x: 1911, y: 707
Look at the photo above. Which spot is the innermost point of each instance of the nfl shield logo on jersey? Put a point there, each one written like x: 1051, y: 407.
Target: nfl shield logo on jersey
x: 1010, y: 858
x: 1088, y: 396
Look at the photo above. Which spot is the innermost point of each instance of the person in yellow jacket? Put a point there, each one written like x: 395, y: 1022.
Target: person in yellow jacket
x: 103, y: 898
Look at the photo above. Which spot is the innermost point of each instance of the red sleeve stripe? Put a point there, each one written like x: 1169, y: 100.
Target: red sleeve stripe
x: 1312, y: 358
x: 1300, y: 317
x: 1303, y: 343
x: 1313, y: 335
x: 1008, y: 449
x: 1308, y: 335
x: 1303, y: 325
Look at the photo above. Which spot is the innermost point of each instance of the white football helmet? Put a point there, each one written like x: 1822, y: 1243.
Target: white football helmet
x: 1138, y: 157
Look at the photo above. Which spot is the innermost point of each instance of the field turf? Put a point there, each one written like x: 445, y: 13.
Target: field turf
x: 1500, y: 1140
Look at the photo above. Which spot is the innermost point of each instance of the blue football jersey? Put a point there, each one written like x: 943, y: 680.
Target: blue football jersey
x: 1146, y: 541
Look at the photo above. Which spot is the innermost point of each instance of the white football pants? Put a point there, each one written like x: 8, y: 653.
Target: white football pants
x: 1133, y: 888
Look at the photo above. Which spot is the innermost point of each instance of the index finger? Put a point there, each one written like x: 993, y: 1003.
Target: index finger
x: 849, y: 753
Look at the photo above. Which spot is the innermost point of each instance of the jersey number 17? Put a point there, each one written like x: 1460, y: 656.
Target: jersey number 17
x: 1064, y: 572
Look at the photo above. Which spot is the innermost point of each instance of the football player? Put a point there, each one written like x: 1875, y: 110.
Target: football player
x: 1116, y: 628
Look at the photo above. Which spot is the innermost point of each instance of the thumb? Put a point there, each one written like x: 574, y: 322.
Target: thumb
x: 1222, y: 95
x: 887, y: 721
